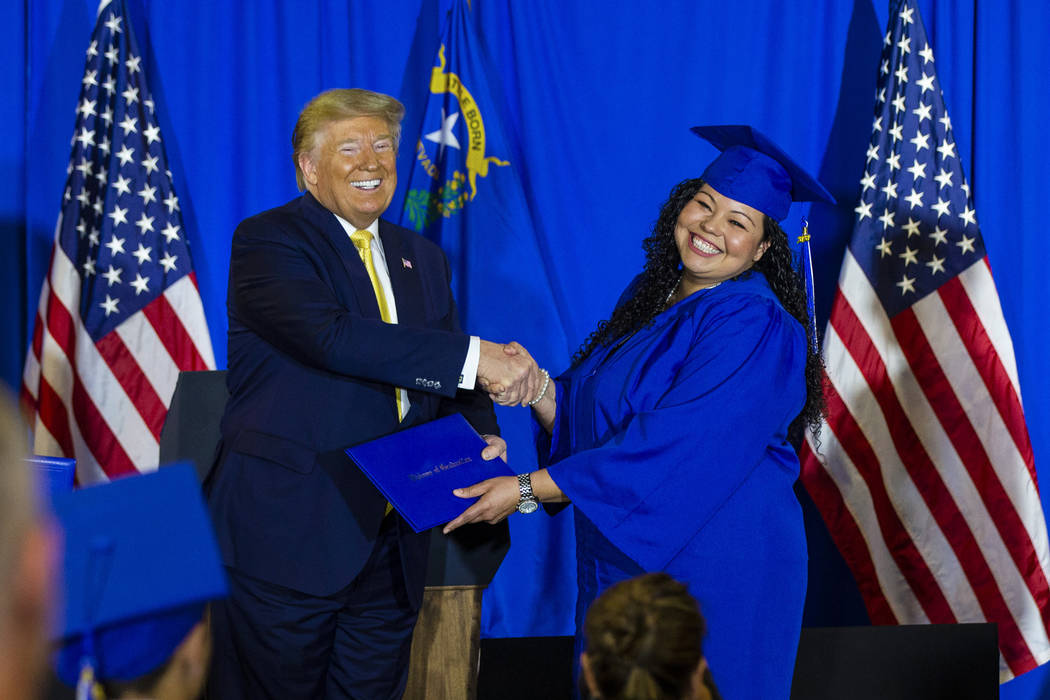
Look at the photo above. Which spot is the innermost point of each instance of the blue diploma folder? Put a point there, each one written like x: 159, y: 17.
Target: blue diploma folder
x: 417, y: 468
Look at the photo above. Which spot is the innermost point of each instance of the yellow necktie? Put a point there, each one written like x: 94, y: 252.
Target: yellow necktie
x: 363, y: 242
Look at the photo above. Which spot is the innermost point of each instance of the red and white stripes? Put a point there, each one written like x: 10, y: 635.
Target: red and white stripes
x: 104, y: 403
x: 925, y: 473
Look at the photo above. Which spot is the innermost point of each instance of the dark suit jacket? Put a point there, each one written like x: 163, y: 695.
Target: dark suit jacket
x: 312, y: 370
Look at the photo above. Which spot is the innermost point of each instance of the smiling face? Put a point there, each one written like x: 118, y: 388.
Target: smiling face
x: 717, y: 239
x: 351, y: 169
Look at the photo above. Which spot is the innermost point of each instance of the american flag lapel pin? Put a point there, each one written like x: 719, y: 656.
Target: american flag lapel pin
x: 406, y: 263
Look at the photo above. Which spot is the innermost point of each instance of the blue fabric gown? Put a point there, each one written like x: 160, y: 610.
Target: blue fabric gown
x: 673, y: 451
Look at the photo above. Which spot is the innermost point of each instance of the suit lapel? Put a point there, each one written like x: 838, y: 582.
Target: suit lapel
x: 408, y: 292
x: 343, y: 247
x: 408, y: 295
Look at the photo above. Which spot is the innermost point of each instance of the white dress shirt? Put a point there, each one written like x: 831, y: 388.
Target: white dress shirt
x: 468, y: 375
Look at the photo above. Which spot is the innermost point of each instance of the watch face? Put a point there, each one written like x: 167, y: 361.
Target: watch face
x: 527, y: 507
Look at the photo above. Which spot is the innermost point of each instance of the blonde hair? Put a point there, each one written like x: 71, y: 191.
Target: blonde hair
x: 336, y: 105
x: 644, y: 639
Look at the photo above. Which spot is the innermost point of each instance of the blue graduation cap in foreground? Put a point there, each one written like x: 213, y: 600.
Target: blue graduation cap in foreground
x: 140, y: 563
x: 753, y: 170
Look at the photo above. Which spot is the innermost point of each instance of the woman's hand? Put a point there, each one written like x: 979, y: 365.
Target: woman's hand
x: 497, y: 498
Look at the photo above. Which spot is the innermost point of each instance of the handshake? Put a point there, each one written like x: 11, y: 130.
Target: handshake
x: 510, y: 375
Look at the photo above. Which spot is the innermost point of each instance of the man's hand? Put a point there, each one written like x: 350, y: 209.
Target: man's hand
x: 497, y: 447
x: 508, y: 373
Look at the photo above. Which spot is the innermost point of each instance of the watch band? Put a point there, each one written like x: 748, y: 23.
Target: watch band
x: 527, y: 502
x: 525, y: 487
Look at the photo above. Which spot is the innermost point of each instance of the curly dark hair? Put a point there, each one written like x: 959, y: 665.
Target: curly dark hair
x: 661, y: 274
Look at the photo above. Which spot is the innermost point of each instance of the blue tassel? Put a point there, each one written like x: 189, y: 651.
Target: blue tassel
x: 807, y: 275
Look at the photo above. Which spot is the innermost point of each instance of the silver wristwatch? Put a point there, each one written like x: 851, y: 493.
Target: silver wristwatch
x: 527, y: 502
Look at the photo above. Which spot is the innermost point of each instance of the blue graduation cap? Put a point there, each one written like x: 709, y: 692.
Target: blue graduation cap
x: 140, y: 564
x: 753, y: 170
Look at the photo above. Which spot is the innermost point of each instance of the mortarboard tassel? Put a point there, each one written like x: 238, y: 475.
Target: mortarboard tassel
x: 807, y: 274
x: 87, y: 688
x: 99, y: 561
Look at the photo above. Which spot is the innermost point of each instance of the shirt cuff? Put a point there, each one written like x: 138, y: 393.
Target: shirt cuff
x: 468, y: 376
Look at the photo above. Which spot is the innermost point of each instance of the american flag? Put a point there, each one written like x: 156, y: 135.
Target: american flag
x: 924, y: 473
x: 120, y: 314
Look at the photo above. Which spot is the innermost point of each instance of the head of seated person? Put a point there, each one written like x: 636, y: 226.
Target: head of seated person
x: 139, y: 568
x: 28, y: 556
x: 644, y: 642
x: 179, y: 676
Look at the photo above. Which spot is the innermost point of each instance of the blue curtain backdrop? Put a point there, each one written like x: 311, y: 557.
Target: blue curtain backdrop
x: 598, y: 98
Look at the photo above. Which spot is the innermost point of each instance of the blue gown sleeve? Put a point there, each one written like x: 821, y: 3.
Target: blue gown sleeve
x: 650, y: 486
x: 553, y: 446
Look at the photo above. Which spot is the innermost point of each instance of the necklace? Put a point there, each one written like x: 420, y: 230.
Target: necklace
x: 678, y: 285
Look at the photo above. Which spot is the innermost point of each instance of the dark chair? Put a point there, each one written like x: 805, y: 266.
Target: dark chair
x: 191, y: 428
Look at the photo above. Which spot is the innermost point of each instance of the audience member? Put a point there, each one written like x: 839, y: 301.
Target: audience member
x: 27, y: 560
x: 644, y: 642
x: 140, y: 566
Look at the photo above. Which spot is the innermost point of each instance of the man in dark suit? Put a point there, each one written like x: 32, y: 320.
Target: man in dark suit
x: 342, y: 328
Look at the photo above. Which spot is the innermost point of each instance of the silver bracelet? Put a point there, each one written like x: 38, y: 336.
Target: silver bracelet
x: 543, y: 391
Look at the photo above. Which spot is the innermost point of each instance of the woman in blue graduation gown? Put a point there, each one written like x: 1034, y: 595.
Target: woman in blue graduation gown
x: 669, y: 433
